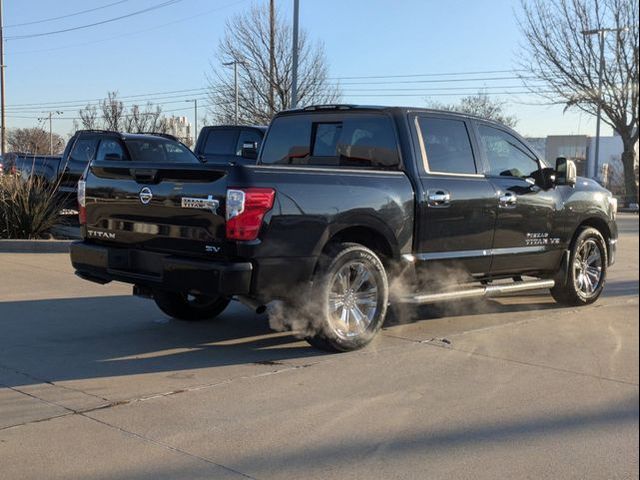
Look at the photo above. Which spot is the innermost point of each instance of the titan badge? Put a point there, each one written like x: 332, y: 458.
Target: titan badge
x: 208, y: 203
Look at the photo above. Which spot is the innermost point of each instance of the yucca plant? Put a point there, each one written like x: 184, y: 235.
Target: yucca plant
x: 29, y: 207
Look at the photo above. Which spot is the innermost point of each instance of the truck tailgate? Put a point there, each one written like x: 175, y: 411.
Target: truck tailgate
x: 159, y: 207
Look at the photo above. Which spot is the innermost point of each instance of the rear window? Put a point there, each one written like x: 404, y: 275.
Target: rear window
x: 159, y: 150
x: 353, y: 140
x: 221, y: 142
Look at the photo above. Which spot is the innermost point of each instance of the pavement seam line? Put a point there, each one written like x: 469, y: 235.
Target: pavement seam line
x: 52, y: 383
x: 117, y: 403
x: 167, y: 446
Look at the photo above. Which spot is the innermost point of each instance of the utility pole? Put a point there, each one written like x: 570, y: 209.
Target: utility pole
x: 294, y: 55
x: 272, y: 53
x: 235, y: 87
x: 195, y: 122
x: 3, y: 129
x: 49, y: 116
x: 602, y: 33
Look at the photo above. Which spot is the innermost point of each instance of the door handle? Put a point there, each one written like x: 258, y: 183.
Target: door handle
x: 438, y: 198
x: 508, y: 200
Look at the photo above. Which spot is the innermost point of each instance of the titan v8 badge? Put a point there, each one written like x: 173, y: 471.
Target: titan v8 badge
x: 208, y: 203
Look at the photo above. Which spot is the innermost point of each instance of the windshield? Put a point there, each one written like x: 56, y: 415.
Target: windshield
x: 159, y: 150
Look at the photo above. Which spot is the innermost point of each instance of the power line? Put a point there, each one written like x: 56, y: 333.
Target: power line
x: 190, y: 90
x: 480, y: 72
x: 129, y: 34
x: 51, y: 19
x: 102, y: 22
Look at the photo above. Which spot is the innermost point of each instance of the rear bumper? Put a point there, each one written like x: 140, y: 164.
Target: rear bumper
x: 103, y: 264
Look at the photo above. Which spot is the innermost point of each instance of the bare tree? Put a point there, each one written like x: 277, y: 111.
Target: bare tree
x: 481, y: 105
x: 246, y: 42
x: 566, y: 62
x: 33, y: 140
x: 134, y: 119
x: 112, y: 111
x: 89, y: 117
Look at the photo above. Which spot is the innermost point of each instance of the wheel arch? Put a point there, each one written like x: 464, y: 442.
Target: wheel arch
x: 599, y: 224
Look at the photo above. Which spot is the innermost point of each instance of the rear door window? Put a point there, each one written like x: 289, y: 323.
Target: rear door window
x: 352, y: 140
x: 447, y: 146
x: 221, y: 141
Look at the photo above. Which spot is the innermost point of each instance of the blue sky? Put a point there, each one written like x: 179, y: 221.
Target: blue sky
x: 170, y: 48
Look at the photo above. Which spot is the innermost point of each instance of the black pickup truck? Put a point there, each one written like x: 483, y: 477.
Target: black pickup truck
x: 64, y: 171
x: 343, y: 202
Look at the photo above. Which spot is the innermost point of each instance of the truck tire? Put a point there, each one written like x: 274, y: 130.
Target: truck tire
x: 182, y: 306
x: 587, y: 270
x: 350, y: 295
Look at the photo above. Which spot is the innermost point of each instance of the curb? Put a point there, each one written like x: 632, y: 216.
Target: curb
x: 35, y: 246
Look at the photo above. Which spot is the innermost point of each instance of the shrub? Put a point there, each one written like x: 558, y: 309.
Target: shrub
x: 29, y: 207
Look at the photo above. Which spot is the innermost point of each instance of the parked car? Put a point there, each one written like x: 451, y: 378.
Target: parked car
x: 64, y: 171
x: 343, y: 201
x: 229, y: 144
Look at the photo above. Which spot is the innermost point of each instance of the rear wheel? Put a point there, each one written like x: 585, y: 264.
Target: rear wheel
x: 587, y: 270
x: 351, y: 292
x: 184, y: 306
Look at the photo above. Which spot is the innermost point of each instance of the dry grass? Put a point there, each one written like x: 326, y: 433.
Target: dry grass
x: 28, y: 207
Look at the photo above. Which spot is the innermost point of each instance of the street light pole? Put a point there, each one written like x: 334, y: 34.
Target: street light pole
x: 3, y: 118
x: 235, y: 86
x: 602, y: 33
x: 294, y: 55
x: 50, y: 116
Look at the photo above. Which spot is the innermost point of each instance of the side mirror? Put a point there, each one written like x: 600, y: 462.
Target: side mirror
x: 250, y: 150
x: 566, y: 172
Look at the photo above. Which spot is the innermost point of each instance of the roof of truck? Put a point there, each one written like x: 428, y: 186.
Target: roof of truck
x: 339, y: 107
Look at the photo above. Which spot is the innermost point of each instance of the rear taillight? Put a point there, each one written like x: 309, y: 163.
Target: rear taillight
x: 245, y: 209
x: 82, y: 202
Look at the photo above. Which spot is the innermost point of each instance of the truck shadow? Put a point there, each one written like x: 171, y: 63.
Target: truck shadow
x: 79, y: 338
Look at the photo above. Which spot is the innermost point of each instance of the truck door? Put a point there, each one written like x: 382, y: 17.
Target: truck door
x: 528, y: 226
x: 457, y: 206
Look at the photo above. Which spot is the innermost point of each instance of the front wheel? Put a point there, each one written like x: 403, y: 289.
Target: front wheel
x: 587, y: 270
x: 184, y: 306
x: 350, y: 294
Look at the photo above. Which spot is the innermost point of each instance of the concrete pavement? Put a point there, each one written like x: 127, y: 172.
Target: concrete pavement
x: 97, y: 384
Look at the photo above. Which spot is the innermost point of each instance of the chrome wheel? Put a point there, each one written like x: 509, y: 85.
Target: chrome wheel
x: 353, y: 300
x: 587, y: 268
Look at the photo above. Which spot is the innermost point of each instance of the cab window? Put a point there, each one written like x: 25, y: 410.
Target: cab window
x: 110, y: 149
x: 84, y: 149
x: 247, y: 136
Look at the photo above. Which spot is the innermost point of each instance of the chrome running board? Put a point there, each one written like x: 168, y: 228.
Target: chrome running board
x: 484, y: 291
